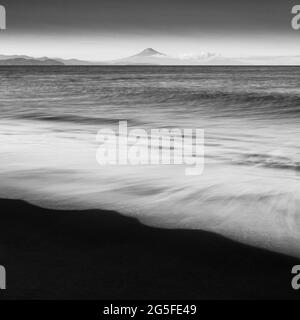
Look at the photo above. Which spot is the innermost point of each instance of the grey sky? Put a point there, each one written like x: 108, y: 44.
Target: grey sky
x: 114, y: 28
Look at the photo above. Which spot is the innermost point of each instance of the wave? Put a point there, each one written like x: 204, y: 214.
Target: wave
x: 268, y: 161
x: 72, y: 119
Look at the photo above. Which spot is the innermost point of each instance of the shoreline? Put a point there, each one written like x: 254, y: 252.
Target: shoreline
x: 98, y: 254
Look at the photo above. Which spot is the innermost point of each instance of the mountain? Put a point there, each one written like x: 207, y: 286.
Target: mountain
x: 151, y: 56
x: 44, y: 61
x: 76, y: 62
x: 148, y: 56
x: 6, y: 57
x: 29, y: 62
x: 149, y: 52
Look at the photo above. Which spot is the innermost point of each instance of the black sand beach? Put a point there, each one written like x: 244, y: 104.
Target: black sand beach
x: 103, y: 255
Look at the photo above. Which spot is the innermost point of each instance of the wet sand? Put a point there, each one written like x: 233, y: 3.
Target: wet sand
x: 104, y: 255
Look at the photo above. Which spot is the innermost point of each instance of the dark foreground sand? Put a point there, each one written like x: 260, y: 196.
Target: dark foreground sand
x: 103, y: 255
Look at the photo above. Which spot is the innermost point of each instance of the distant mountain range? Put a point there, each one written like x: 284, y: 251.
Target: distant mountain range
x: 29, y: 62
x: 151, y: 56
x: 18, y: 60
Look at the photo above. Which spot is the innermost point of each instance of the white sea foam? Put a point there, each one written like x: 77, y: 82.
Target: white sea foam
x: 250, y: 202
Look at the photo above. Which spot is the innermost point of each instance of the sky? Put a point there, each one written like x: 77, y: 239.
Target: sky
x: 109, y: 29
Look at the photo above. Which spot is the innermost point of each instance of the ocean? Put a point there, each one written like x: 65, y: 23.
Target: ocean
x: 249, y: 190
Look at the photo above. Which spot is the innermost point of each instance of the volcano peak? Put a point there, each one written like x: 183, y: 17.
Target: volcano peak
x: 148, y: 52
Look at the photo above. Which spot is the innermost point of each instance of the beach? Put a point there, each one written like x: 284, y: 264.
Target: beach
x: 149, y: 231
x: 98, y: 254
